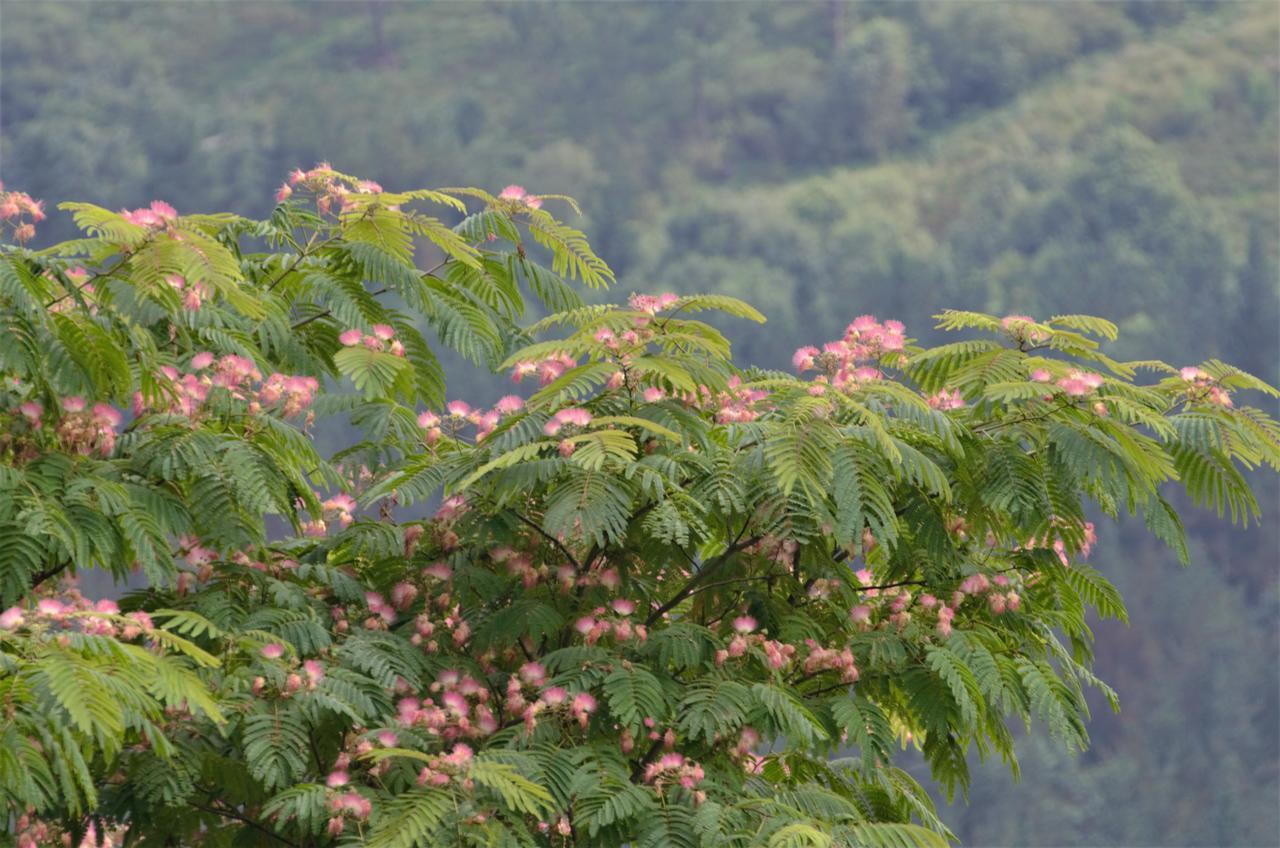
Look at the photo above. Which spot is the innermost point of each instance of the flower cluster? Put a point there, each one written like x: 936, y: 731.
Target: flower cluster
x: 653, y: 304
x: 600, y: 624
x: 14, y: 206
x: 673, y: 768
x: 1090, y: 538
x: 329, y: 187
x: 193, y: 294
x: 31, y: 831
x: 383, y: 338
x: 346, y: 805
x: 1201, y: 387
x: 457, y: 707
x: 547, y: 369
x: 459, y: 413
x: 73, y: 611
x: 519, y: 197
x: 569, y: 416
x: 186, y: 393
x: 865, y: 340
x: 82, y: 430
x: 1023, y: 329
x: 158, y: 216
x: 947, y: 399
x: 777, y: 654
x: 821, y: 658
x: 1079, y: 383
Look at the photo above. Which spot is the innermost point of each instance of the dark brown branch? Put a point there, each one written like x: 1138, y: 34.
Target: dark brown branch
x: 552, y: 539
x: 702, y: 576
x: 231, y: 814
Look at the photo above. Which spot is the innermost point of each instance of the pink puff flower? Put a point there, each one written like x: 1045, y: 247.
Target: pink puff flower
x: 337, y: 778
x: 458, y: 408
x: 653, y: 394
x: 384, y: 331
x: 74, y: 403
x: 273, y: 651
x: 1041, y: 376
x: 509, y: 404
x: 623, y: 606
x: 1191, y: 374
x: 32, y: 411
x: 804, y: 358
x: 572, y: 415
x: 512, y: 192
x: 1073, y: 386
x: 51, y: 607
x: 11, y: 618
x: 107, y: 415
x: 201, y: 360
x: 164, y: 211
x: 744, y: 624
x: 351, y: 337
x: 583, y: 705
x: 314, y: 670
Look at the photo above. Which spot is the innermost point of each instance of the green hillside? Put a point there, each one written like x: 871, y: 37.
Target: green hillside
x: 1137, y: 181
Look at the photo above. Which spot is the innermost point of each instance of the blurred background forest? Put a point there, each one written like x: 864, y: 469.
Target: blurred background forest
x: 821, y: 160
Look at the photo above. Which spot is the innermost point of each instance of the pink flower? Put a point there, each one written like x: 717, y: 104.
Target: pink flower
x: 653, y: 394
x: 512, y: 192
x: 314, y: 670
x: 804, y: 358
x: 622, y: 606
x: 533, y: 673
x: 273, y: 651
x: 384, y: 331
x: 74, y: 403
x: 1041, y: 376
x: 1191, y: 373
x: 744, y: 624
x: 583, y: 705
x: 573, y: 415
x: 458, y: 408
x: 350, y: 337
x: 51, y: 607
x: 11, y: 618
x: 509, y: 404
x: 947, y: 400
x: 554, y: 696
x: 860, y: 614
x: 1073, y: 386
x: 106, y: 415
x: 351, y: 802
x: 337, y: 778
x: 32, y: 411
x: 107, y: 607
x: 201, y: 360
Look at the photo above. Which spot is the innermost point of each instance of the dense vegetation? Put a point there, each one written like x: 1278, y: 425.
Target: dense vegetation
x: 660, y: 594
x: 1112, y: 158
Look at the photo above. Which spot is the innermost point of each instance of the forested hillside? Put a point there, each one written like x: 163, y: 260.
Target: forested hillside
x: 821, y: 161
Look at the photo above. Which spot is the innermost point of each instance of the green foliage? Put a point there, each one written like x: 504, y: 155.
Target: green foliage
x: 656, y: 598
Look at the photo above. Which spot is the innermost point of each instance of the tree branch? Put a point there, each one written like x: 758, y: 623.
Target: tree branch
x: 702, y: 576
